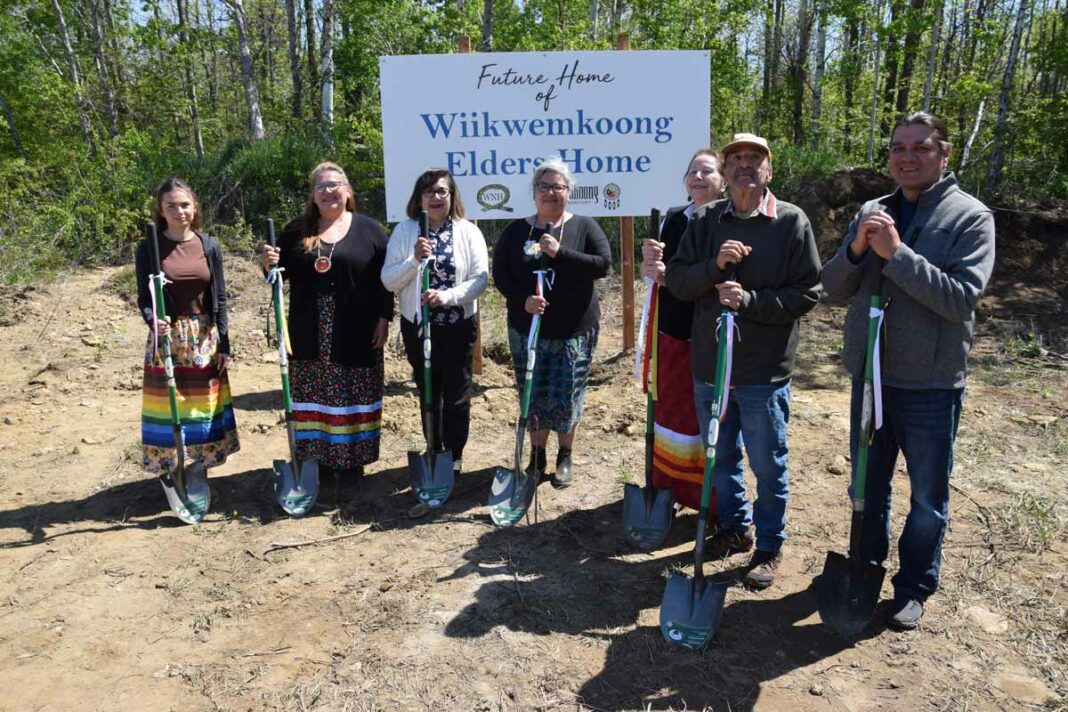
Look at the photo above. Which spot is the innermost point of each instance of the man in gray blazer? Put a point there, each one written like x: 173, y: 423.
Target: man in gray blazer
x: 928, y: 250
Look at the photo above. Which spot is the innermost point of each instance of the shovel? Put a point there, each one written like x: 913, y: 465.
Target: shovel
x: 430, y: 473
x: 849, y: 586
x: 647, y: 511
x: 296, y: 484
x: 186, y: 488
x: 512, y: 491
x: 692, y: 608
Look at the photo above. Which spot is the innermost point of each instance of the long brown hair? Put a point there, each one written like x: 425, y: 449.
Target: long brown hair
x: 309, y: 229
x: 169, y: 184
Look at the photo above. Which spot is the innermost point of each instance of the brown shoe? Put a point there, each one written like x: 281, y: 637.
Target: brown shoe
x: 729, y: 541
x: 762, y: 569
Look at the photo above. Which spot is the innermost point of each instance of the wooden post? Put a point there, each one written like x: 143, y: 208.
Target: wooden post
x: 463, y: 46
x: 626, y: 253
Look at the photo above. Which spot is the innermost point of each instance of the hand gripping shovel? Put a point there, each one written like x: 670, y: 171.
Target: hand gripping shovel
x: 186, y: 487
x: 849, y: 586
x: 512, y: 491
x: 692, y: 609
x: 430, y: 474
x: 647, y: 511
x: 296, y: 484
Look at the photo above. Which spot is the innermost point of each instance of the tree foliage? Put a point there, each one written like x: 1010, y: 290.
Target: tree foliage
x: 78, y: 161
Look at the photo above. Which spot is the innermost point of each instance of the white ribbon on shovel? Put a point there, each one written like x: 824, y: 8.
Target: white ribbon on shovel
x: 275, y: 275
x: 876, y: 366
x: 731, y: 329
x: 163, y: 281
x: 546, y: 279
x: 639, y: 353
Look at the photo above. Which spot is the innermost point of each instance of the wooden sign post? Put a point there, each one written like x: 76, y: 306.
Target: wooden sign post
x: 626, y: 253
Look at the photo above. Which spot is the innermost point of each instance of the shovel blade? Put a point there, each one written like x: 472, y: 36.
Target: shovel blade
x: 188, y: 494
x: 296, y: 492
x: 431, y: 478
x: 647, y: 515
x: 848, y: 593
x: 691, y: 611
x: 510, y: 496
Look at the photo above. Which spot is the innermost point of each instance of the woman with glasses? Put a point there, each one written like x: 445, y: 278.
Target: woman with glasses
x: 678, y: 453
x: 339, y: 316
x: 455, y: 254
x: 575, y: 253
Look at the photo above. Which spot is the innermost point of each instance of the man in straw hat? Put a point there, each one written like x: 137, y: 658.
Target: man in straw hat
x: 754, y: 255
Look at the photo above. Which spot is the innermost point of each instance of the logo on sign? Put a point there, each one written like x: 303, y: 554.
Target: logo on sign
x: 494, y: 197
x: 585, y: 195
x: 611, y: 196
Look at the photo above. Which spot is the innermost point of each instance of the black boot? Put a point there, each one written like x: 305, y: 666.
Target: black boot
x: 562, y: 476
x: 538, y: 462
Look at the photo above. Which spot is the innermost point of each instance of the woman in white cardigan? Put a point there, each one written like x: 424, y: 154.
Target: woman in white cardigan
x: 455, y: 254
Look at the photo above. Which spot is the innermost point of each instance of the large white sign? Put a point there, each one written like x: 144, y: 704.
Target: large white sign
x: 625, y: 122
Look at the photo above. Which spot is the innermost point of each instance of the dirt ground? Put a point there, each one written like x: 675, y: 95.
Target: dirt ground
x: 107, y: 602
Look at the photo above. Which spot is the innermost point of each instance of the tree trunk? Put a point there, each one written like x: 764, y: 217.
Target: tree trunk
x: 932, y: 58
x: 102, y: 68
x: 993, y: 176
x: 763, y: 111
x: 487, y: 25
x: 817, y: 82
x: 72, y: 69
x: 294, y: 56
x: 890, y: 52
x: 874, y: 122
x: 328, y: 72
x: 309, y: 39
x: 800, y: 69
x: 10, y: 117
x: 594, y: 16
x: 190, y: 85
x: 908, y: 62
x: 851, y: 69
x: 248, y: 72
x: 971, y: 139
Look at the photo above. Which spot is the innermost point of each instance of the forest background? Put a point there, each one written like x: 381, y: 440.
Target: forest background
x: 100, y: 99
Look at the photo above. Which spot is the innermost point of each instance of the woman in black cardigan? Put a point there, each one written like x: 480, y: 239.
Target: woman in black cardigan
x: 339, y: 316
x: 577, y: 252
x: 195, y: 299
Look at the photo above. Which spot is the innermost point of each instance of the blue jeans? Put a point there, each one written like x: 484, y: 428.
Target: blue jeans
x: 922, y: 424
x: 757, y: 417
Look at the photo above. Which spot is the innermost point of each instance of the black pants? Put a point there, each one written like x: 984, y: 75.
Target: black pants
x: 451, y: 349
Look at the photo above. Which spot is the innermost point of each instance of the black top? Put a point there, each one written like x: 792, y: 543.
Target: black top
x: 214, y: 297
x: 355, y: 281
x: 676, y: 314
x: 583, y: 257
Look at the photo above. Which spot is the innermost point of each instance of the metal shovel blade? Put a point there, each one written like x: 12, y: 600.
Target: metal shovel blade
x: 510, y: 496
x: 188, y: 494
x: 848, y: 593
x: 647, y: 515
x: 296, y: 493
x: 691, y: 611
x: 431, y: 478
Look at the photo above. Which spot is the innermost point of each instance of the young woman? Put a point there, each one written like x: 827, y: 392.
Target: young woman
x: 195, y: 301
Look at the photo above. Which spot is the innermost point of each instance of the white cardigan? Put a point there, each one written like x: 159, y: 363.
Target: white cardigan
x: 472, y: 267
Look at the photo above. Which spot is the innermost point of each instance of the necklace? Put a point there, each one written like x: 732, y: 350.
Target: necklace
x: 323, y: 263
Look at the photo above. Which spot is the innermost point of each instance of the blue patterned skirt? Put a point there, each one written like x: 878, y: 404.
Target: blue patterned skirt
x: 561, y: 372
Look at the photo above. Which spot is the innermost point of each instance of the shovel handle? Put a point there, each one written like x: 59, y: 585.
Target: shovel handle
x: 270, y: 233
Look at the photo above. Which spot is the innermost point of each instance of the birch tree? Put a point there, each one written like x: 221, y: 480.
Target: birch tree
x: 80, y: 101
x: 328, y: 71
x: 294, y: 56
x: 993, y: 176
x: 248, y: 74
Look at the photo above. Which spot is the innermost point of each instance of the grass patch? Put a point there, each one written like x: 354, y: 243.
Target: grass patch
x: 124, y: 284
x: 1032, y: 522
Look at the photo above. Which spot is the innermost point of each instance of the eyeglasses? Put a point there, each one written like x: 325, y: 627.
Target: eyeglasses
x: 753, y: 157
x: 437, y: 193
x: 329, y: 187
x: 554, y: 188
